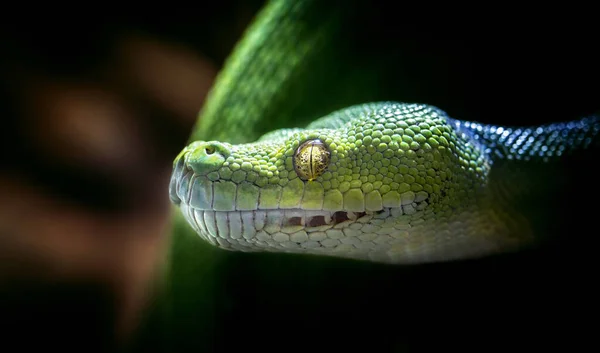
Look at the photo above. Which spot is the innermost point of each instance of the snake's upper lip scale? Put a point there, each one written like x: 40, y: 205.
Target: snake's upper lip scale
x: 176, y: 177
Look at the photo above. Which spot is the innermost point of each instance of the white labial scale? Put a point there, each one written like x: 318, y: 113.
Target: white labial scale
x: 222, y: 224
x: 235, y: 225
x: 199, y: 215
x: 186, y: 211
x: 195, y: 220
x: 273, y: 221
x: 248, y: 225
x: 259, y: 219
x: 211, y: 223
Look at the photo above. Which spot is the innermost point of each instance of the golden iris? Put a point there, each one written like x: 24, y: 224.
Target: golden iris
x: 311, y: 159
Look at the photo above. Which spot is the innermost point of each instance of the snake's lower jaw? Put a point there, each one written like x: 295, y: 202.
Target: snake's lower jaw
x: 275, y: 230
x: 391, y: 235
x: 347, y: 234
x: 372, y: 236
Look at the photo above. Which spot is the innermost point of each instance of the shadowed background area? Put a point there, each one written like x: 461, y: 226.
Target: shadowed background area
x: 94, y: 113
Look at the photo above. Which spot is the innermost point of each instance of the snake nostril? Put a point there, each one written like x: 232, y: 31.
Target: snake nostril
x: 205, y: 157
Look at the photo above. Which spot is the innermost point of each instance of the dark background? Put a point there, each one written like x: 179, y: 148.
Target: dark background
x: 94, y: 112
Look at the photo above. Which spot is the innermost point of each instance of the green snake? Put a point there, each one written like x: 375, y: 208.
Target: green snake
x: 385, y: 181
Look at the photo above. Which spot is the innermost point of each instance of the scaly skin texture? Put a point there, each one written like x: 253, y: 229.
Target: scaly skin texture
x: 404, y: 184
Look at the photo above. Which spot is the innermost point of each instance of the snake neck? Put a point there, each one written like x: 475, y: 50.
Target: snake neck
x: 535, y: 144
x: 539, y: 173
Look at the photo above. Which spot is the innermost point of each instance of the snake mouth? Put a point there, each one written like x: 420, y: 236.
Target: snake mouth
x: 288, y: 221
x: 281, y: 229
x: 325, y: 219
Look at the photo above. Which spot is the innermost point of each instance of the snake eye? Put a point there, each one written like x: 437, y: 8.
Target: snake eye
x: 311, y: 159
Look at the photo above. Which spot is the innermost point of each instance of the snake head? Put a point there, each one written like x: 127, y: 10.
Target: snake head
x: 354, y: 190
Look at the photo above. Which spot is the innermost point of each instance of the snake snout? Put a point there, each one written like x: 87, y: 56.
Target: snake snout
x: 205, y: 157
x: 197, y: 159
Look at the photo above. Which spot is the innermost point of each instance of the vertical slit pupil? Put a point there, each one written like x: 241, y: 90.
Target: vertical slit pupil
x: 311, y: 171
